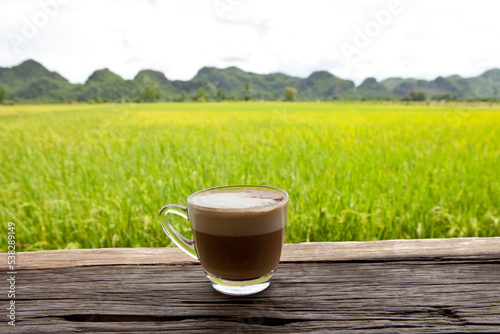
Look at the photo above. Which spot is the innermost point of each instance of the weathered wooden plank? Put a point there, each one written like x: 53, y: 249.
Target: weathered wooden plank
x: 477, y: 248
x: 404, y: 286
x: 383, y: 297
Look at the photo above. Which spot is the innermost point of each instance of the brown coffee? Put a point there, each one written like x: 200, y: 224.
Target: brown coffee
x: 238, y: 234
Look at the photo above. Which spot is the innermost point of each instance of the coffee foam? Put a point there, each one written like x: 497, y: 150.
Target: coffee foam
x: 239, y: 199
x: 242, y: 212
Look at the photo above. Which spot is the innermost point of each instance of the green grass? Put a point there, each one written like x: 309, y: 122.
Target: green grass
x: 89, y: 176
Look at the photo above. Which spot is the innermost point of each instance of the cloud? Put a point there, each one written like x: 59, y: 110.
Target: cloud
x: 261, y: 26
x: 294, y: 37
x: 231, y: 60
x: 306, y: 68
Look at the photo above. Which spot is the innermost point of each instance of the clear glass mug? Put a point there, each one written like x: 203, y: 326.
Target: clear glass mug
x: 238, y: 234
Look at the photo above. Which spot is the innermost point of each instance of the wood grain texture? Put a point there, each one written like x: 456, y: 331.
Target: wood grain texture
x: 382, y: 297
x: 316, y: 251
x: 396, y: 286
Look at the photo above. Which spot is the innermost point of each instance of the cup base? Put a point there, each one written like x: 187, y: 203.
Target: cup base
x: 240, y: 288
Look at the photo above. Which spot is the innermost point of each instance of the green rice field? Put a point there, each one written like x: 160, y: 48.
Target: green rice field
x: 89, y: 176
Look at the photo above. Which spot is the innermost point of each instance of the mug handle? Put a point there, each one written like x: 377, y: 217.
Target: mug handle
x: 182, y: 242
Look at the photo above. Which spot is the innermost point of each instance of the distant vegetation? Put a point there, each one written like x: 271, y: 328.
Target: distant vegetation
x: 290, y: 94
x: 32, y: 82
x: 415, y: 95
x: 3, y: 94
x: 149, y: 94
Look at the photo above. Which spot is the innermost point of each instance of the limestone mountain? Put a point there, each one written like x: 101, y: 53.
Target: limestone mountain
x: 237, y: 83
x: 31, y: 81
x: 322, y: 85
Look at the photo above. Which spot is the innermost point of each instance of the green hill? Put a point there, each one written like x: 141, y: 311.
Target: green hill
x: 31, y: 81
x: 371, y: 89
x: 485, y: 86
x: 108, y: 85
x: 322, y: 85
x: 235, y: 82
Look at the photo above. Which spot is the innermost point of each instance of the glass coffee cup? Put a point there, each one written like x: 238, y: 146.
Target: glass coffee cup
x: 238, y: 234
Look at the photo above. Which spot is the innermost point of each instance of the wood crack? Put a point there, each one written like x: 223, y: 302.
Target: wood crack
x: 120, y: 318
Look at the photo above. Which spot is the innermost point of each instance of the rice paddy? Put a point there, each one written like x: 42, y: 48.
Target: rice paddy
x: 89, y: 176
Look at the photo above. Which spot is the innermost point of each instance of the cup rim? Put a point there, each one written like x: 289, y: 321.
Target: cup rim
x: 283, y: 202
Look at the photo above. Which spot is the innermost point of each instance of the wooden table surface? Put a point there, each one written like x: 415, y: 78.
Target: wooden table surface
x: 396, y: 286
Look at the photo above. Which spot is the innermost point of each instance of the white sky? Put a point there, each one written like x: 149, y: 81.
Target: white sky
x: 422, y: 39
